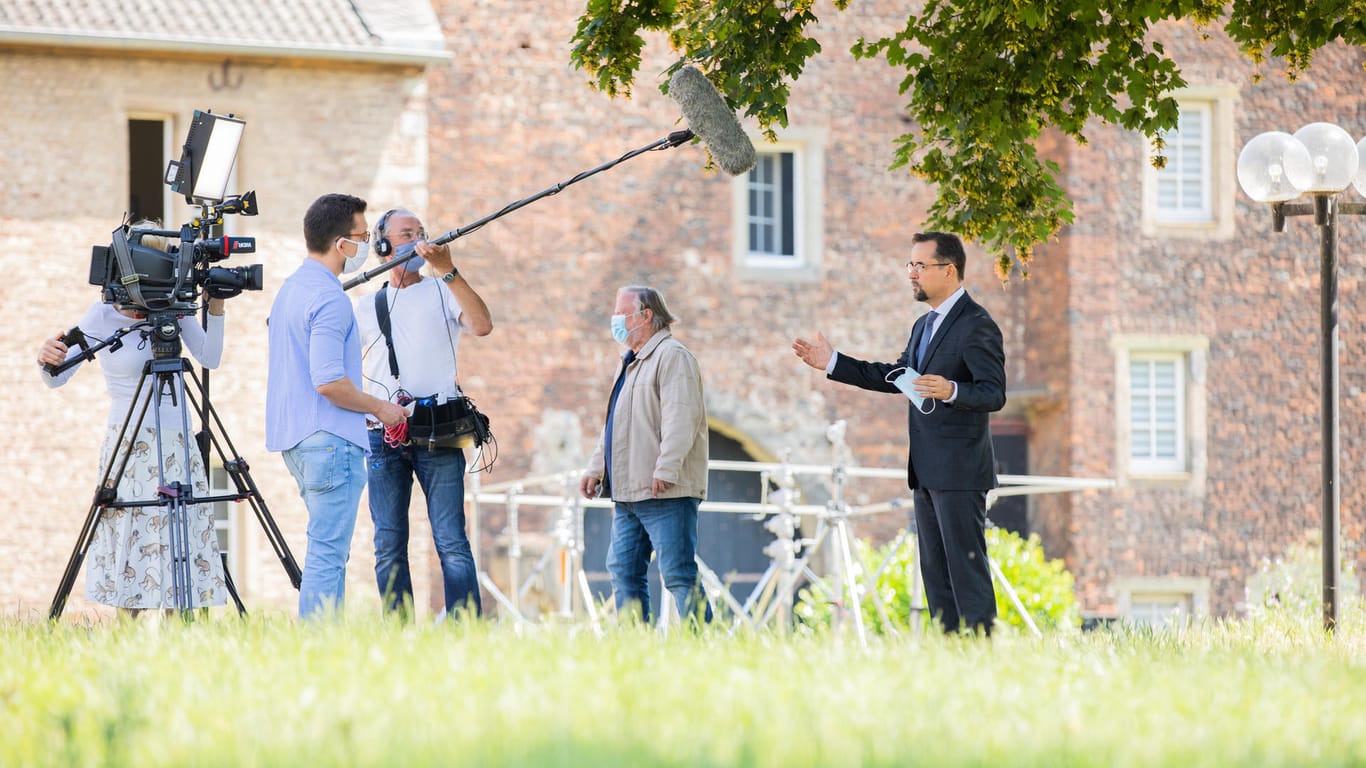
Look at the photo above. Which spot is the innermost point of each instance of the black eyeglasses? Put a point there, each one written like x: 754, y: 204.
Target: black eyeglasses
x: 918, y: 268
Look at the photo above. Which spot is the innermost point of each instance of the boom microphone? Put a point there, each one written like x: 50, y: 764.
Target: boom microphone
x: 709, y: 119
x: 713, y: 122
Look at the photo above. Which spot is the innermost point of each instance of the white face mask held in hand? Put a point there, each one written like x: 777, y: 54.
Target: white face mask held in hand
x: 903, y: 383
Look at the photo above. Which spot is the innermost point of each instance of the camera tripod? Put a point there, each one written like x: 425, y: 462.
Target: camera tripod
x: 164, y: 376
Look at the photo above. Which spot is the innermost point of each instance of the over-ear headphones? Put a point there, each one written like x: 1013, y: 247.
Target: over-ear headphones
x: 382, y: 245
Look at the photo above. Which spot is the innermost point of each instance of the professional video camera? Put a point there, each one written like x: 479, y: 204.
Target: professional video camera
x: 162, y: 276
x: 140, y: 276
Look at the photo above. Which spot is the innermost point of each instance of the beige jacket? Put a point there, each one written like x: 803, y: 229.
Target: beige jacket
x: 659, y: 429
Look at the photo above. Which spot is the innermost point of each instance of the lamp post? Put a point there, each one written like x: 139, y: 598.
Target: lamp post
x: 1319, y: 160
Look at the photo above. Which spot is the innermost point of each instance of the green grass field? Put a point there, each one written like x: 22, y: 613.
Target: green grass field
x: 361, y: 691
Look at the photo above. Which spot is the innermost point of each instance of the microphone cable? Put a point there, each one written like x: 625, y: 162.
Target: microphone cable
x: 397, y: 435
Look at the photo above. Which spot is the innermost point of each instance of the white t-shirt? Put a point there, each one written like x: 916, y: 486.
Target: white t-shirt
x: 123, y: 367
x: 425, y: 323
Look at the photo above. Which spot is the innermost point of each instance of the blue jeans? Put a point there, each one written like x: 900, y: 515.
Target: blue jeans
x: 330, y: 472
x: 664, y: 526
x: 441, y: 472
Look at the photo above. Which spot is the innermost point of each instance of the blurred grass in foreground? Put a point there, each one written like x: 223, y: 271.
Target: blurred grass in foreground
x: 362, y: 691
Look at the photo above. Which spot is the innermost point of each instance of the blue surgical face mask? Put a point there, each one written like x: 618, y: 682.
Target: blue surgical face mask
x: 416, y: 263
x: 619, y: 330
x: 904, y: 382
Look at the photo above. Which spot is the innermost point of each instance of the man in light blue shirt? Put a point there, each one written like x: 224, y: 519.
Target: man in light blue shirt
x: 315, y: 408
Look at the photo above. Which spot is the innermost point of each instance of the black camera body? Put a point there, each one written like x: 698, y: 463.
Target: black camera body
x: 142, y: 277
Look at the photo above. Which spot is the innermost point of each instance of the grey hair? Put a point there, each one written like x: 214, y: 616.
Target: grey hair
x: 382, y: 223
x: 648, y: 298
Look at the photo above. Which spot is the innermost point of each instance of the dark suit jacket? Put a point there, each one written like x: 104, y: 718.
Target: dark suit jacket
x: 951, y: 446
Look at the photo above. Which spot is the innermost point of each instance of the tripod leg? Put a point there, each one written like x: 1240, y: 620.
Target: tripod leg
x: 851, y: 579
x: 536, y: 572
x: 232, y: 587
x: 766, y: 595
x: 501, y: 598
x: 181, y: 584
x: 714, y: 586
x: 871, y: 585
x: 179, y: 494
x: 759, y: 587
x: 588, y: 604
x: 73, y: 564
x: 238, y: 470
x: 106, y: 492
x: 788, y: 581
x: 1014, y: 598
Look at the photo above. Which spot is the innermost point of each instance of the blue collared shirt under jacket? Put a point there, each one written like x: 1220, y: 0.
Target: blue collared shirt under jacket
x: 313, y: 341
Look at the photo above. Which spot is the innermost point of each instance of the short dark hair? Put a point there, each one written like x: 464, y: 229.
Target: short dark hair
x: 946, y: 246
x: 328, y: 218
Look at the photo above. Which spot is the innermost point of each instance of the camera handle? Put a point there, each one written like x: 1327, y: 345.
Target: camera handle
x: 77, y: 336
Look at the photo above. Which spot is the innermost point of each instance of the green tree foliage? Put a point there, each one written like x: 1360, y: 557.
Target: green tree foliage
x: 983, y: 80
x: 1044, y: 587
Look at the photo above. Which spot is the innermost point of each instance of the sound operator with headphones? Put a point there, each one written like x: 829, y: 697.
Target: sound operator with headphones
x: 410, y: 331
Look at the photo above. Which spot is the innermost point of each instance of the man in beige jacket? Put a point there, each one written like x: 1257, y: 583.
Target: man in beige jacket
x: 651, y: 458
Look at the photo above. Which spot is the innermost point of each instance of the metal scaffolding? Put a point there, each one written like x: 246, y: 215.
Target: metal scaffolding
x: 780, y: 508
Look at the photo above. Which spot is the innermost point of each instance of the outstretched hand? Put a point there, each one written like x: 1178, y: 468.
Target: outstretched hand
x: 816, y: 353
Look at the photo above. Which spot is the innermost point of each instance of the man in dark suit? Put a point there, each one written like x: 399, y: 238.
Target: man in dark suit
x: 958, y: 351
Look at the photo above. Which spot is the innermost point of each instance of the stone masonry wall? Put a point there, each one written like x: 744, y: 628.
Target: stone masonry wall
x: 63, y: 187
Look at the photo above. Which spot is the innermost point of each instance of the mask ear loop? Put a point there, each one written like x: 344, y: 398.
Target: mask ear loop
x: 888, y: 378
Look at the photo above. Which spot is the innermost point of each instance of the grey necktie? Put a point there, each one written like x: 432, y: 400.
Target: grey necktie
x: 925, y: 336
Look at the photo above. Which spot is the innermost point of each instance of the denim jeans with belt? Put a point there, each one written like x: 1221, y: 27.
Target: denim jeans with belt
x: 441, y: 473
x: 330, y: 472
x: 667, y: 527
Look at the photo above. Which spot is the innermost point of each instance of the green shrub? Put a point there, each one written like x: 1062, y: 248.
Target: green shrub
x: 1044, y: 587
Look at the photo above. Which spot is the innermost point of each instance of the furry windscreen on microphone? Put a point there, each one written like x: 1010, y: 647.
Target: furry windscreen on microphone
x: 713, y: 122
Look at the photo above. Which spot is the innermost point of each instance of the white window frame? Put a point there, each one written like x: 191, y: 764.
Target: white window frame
x: 770, y: 257
x: 807, y: 147
x: 1177, y: 171
x: 1188, y: 470
x: 1151, y: 463
x: 1215, y: 219
x: 1162, y: 602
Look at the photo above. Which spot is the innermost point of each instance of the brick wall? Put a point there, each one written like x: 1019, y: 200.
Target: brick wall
x: 1255, y: 296
x: 310, y: 130
x: 511, y: 117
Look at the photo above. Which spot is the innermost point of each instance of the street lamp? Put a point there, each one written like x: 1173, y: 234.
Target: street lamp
x: 1320, y: 160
